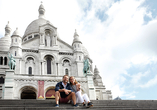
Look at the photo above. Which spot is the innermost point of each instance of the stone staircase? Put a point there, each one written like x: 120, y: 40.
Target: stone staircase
x: 32, y: 104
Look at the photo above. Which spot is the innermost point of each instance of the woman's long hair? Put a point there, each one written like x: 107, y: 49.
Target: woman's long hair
x: 74, y: 79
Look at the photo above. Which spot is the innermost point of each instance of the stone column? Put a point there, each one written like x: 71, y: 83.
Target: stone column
x: 20, y: 66
x: 40, y: 66
x: 3, y: 60
x: 57, y: 69
x: 42, y: 40
x: 92, y: 93
x: 43, y: 68
x: 9, y: 84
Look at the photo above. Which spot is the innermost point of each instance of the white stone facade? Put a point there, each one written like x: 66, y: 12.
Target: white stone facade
x: 41, y: 55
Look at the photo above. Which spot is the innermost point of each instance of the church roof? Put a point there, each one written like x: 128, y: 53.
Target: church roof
x: 33, y: 27
x: 118, y: 98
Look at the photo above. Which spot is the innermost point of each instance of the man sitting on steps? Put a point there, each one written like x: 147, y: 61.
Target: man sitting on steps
x: 64, y: 92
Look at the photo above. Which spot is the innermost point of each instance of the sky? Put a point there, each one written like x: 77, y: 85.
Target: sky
x: 120, y: 36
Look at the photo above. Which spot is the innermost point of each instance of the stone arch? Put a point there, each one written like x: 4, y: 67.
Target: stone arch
x: 30, y: 55
x: 49, y: 53
x: 50, y: 92
x: 48, y: 27
x: 49, y: 64
x: 66, y: 65
x: 28, y: 64
x: 49, y: 37
x: 64, y: 58
x: 27, y: 87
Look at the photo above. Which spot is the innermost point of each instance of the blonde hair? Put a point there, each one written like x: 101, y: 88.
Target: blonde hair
x: 74, y: 79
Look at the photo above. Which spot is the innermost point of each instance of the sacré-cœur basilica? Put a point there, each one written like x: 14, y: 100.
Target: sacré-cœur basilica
x: 42, y: 58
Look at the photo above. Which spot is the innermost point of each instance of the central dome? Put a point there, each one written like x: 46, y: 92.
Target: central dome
x: 33, y: 27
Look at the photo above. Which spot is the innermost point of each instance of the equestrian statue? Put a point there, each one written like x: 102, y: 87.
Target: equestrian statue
x: 12, y: 62
x: 86, y: 67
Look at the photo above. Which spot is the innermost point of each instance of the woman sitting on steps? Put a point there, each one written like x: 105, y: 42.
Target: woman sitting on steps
x: 77, y: 89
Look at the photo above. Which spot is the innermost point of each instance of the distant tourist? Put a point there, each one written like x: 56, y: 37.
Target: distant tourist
x: 64, y: 92
x: 80, y: 98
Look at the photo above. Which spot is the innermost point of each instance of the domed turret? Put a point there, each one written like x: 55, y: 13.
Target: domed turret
x: 16, y: 32
x: 15, y: 48
x: 97, y: 78
x: 6, y: 40
x: 76, y: 38
x: 96, y: 71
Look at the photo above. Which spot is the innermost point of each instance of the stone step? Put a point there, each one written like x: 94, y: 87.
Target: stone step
x: 32, y: 104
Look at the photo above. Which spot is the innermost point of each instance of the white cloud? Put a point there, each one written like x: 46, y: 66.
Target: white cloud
x: 150, y: 83
x: 136, y: 77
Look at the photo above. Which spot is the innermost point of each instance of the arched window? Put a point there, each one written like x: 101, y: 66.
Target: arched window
x: 5, y: 61
x: 48, y: 65
x: 66, y: 63
x: 16, y: 40
x: 1, y: 60
x: 30, y: 70
x: 66, y: 72
x: 1, y: 80
x: 15, y: 53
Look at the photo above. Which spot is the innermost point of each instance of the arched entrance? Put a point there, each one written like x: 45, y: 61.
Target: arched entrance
x: 50, y: 93
x: 28, y: 93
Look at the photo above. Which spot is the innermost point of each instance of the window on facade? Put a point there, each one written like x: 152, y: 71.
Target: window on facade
x: 66, y: 63
x: 25, y: 39
x: 48, y: 65
x: 36, y: 35
x: 66, y: 72
x: 5, y: 61
x: 78, y: 45
x: 79, y: 57
x: 30, y: 70
x: 12, y: 40
x: 1, y: 80
x: 16, y: 40
x: 1, y: 60
x: 75, y: 45
x: 15, y: 53
x: 29, y: 37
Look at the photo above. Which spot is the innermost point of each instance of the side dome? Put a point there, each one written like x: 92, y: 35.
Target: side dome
x: 33, y: 27
x: 16, y: 32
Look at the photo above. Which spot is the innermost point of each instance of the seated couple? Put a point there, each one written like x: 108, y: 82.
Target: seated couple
x: 65, y: 92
